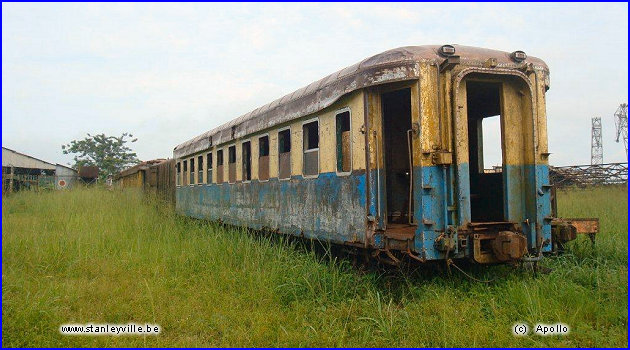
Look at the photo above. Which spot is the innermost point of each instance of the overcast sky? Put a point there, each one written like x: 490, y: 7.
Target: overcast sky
x: 168, y: 72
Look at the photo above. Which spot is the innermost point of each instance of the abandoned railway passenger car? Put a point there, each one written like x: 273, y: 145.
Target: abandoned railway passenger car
x: 387, y: 155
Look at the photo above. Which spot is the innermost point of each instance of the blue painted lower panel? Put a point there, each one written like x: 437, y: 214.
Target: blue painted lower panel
x: 528, y: 199
x: 430, y: 196
x: 333, y: 208
x: 328, y: 207
x: 543, y: 204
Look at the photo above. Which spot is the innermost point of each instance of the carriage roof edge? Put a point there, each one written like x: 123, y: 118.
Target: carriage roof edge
x: 394, y: 65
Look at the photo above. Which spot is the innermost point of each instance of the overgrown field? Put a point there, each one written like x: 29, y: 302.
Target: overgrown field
x: 92, y: 255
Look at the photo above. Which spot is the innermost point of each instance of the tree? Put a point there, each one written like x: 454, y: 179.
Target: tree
x: 109, y: 153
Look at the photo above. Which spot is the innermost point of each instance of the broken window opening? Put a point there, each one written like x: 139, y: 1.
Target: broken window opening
x: 192, y: 171
x: 310, y: 132
x: 247, y: 161
x: 178, y: 169
x: 209, y: 171
x: 200, y: 169
x: 344, y: 149
x: 284, y: 154
x: 263, y: 158
x: 220, y: 170
x: 232, y: 164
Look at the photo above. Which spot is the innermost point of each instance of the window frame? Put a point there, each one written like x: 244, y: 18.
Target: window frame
x: 192, y: 172
x: 336, y: 113
x: 243, y: 159
x: 235, y: 162
x: 200, y: 169
x: 304, y: 151
x: 209, y: 180
x: 290, y: 150
x: 258, y: 137
x: 222, y: 150
x: 178, y: 173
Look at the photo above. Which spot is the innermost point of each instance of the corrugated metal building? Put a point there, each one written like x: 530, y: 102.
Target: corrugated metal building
x: 21, y: 171
x: 65, y: 177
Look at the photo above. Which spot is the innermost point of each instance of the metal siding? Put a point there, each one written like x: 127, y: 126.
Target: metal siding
x: 12, y: 158
x: 328, y: 207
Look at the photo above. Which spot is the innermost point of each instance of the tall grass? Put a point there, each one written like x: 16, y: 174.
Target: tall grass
x: 92, y: 255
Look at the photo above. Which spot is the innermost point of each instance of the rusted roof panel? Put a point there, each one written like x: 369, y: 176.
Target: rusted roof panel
x: 138, y: 167
x: 390, y: 66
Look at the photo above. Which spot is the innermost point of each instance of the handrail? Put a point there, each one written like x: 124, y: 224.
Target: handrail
x: 410, y: 149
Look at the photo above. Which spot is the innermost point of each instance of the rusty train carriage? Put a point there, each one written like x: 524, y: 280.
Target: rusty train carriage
x: 387, y: 155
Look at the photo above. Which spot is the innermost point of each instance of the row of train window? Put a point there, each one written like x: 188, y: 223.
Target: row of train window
x: 310, y: 164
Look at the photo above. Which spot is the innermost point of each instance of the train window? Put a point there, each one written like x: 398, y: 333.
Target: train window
x: 192, y: 171
x: 200, y: 169
x: 344, y: 147
x: 232, y: 154
x: 220, y: 171
x: 185, y: 172
x: 178, y: 170
x: 247, y: 161
x: 232, y: 164
x: 220, y: 157
x: 209, y: 170
x: 263, y: 158
x: 310, y: 132
x: 284, y: 154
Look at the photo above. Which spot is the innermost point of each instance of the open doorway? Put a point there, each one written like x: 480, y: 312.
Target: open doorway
x: 396, y: 121
x: 485, y: 140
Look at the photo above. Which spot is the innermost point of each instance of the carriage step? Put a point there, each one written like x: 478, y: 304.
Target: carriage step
x: 400, y: 232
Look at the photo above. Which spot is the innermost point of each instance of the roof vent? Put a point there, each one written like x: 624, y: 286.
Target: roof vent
x: 447, y: 50
x: 518, y: 56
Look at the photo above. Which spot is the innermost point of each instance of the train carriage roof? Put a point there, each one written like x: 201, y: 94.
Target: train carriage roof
x: 390, y: 66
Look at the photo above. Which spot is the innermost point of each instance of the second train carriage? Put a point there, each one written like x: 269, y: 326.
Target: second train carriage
x: 387, y: 155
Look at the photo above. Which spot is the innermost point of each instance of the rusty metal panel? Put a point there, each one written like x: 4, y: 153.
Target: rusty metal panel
x: 220, y: 173
x: 90, y: 172
x: 232, y: 172
x: 165, y: 180
x: 311, y: 162
x: 150, y: 180
x: 346, y: 161
x: 284, y: 165
x: 263, y: 168
x: 584, y: 225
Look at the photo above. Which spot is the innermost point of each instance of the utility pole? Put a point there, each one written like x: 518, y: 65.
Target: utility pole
x: 597, y: 149
x: 621, y: 122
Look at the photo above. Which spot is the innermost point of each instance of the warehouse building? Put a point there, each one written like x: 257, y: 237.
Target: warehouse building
x: 21, y: 171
